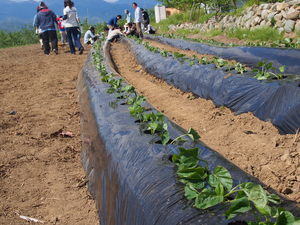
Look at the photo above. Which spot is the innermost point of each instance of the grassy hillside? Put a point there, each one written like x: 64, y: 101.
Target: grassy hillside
x: 199, y: 16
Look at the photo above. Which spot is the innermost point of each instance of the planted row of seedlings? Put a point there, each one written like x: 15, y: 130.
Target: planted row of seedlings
x: 264, y: 70
x: 285, y: 43
x: 203, y: 188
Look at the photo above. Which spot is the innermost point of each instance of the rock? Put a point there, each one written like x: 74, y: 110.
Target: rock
x: 256, y: 21
x: 249, y: 15
x: 264, y: 13
x: 263, y: 23
x: 269, y: 24
x: 292, y: 14
x: 248, y: 24
x: 287, y: 191
x: 278, y: 17
x: 258, y: 12
x: 271, y: 15
x: 279, y: 23
x: 295, y: 2
x: 289, y: 26
x: 281, y: 6
x: 297, y: 26
x: 280, y: 29
x: 266, y: 6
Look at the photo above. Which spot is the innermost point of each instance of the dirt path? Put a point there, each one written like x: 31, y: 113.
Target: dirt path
x: 40, y: 171
x: 253, y: 145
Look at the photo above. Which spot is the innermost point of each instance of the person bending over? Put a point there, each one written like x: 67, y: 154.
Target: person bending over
x: 90, y: 37
x: 114, y: 35
x: 113, y: 22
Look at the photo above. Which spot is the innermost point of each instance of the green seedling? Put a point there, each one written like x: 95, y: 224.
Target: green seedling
x: 178, y: 55
x: 240, y: 68
x: 263, y: 73
x: 115, y: 85
x: 204, y: 60
x: 192, y: 134
x: 164, y: 53
x: 219, y: 62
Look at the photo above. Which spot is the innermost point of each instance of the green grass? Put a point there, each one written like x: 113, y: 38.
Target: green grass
x: 23, y: 37
x: 258, y: 34
x: 266, y: 34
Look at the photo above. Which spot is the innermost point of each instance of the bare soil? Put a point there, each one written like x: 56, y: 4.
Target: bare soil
x: 253, y: 145
x: 189, y: 53
x: 40, y: 171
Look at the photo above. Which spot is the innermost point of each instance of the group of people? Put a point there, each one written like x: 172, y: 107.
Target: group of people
x: 139, y: 25
x: 46, y: 22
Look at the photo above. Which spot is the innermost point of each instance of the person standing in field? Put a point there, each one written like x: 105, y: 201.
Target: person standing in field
x: 138, y: 19
x: 71, y: 23
x: 45, y: 20
x: 113, y: 22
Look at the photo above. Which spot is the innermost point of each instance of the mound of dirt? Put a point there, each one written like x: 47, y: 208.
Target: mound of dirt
x: 253, y: 145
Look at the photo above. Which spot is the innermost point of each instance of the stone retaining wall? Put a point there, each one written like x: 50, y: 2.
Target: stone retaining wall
x: 285, y: 17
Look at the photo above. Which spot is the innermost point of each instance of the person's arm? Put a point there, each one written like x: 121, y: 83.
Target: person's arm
x: 77, y: 18
x: 116, y: 22
x: 54, y: 17
x: 65, y: 14
x: 37, y: 21
x: 34, y: 21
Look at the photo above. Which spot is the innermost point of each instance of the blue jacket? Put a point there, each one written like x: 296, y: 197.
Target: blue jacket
x: 45, y: 20
x: 113, y: 22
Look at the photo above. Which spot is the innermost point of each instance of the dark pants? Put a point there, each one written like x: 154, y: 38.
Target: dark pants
x: 49, y: 36
x: 73, y: 35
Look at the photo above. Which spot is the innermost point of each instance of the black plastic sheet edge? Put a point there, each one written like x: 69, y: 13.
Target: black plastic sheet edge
x: 249, y: 56
x: 268, y: 101
x: 129, y: 176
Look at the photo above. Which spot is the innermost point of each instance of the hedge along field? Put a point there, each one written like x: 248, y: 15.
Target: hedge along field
x: 25, y: 36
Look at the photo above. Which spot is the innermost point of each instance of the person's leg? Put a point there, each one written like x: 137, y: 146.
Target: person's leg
x: 139, y: 29
x: 70, y: 39
x: 45, y: 37
x: 77, y: 40
x: 64, y: 37
x: 54, y: 41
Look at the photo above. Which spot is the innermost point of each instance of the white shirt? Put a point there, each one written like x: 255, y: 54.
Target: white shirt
x: 128, y: 18
x: 138, y: 18
x: 87, y: 36
x: 113, y: 33
x: 73, y: 19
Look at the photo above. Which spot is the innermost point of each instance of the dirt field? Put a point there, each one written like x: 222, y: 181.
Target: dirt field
x: 253, y: 145
x: 40, y: 171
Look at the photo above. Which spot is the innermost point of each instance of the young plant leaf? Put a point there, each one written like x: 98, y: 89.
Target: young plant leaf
x: 207, y: 198
x: 240, y: 205
x: 193, y: 134
x: 197, y: 173
x: 222, y: 176
x: 190, y: 193
x: 286, y: 218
